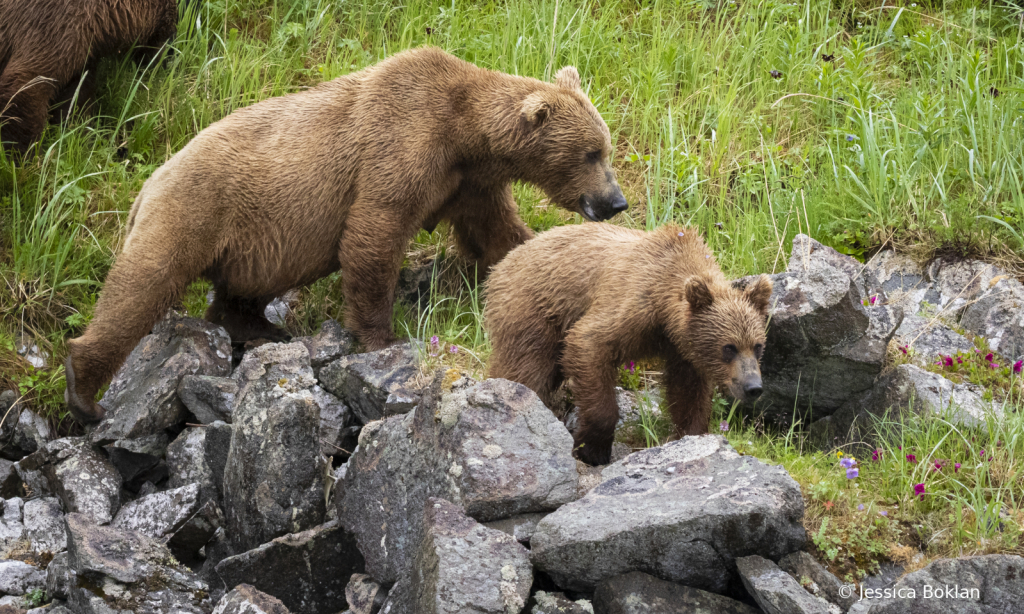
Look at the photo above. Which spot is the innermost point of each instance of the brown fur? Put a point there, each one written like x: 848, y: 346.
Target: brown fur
x: 578, y: 301
x: 46, y: 45
x: 286, y: 191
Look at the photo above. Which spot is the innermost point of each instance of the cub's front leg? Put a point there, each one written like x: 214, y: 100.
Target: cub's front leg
x: 688, y: 394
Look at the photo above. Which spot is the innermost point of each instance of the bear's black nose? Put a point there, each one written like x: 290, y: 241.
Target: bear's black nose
x: 619, y: 203
x: 752, y: 390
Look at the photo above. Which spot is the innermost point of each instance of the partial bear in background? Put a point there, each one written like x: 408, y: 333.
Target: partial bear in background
x: 343, y: 175
x: 578, y: 301
x: 46, y: 45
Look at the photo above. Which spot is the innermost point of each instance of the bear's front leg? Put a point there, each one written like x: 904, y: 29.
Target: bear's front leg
x: 487, y: 224
x: 590, y: 361
x: 371, y: 252
x: 689, y: 396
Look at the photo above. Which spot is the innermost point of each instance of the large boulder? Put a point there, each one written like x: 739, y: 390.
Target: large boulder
x: 776, y: 591
x: 244, y: 599
x: 329, y: 344
x: 44, y: 525
x: 557, y: 603
x: 209, y: 398
x: 640, y: 593
x: 117, y: 570
x: 464, y: 567
x: 902, y: 389
x: 177, y: 517
x: 18, y: 578
x: 274, y: 476
x: 81, y: 475
x: 683, y: 512
x: 307, y: 571
x: 826, y: 340
x: 59, y: 577
x: 140, y: 460
x: 812, y: 575
x: 198, y: 456
x: 491, y: 447
x: 997, y: 315
x: 989, y: 584
x: 376, y: 384
x: 142, y: 398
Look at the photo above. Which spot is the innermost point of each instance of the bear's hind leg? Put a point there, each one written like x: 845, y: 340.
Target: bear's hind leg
x: 24, y: 106
x: 139, y: 289
x: 243, y: 318
x: 528, y: 353
x: 689, y: 396
x: 591, y: 363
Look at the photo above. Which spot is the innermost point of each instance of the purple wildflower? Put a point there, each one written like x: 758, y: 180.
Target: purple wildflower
x: 993, y: 365
x: 956, y: 468
x: 849, y: 138
x: 453, y: 349
x: 988, y: 357
x: 876, y: 454
x: 883, y: 513
x: 434, y: 341
x: 947, y: 361
x: 959, y: 360
x: 1018, y: 366
x: 860, y: 508
x: 852, y: 472
x: 911, y: 458
x: 723, y: 426
x: 919, y: 490
x: 847, y: 462
x: 632, y: 367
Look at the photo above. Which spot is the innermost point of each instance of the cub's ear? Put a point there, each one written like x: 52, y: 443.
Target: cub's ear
x: 698, y: 294
x: 535, y: 109
x: 568, y: 78
x: 759, y: 293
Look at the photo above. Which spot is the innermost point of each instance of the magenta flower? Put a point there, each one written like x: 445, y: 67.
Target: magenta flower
x: 1018, y: 366
x: 982, y: 453
x: 911, y: 458
x: 723, y: 426
x: 956, y: 468
x: 988, y: 357
x: 847, y: 462
x: 947, y: 361
x: 852, y: 473
x: 993, y: 365
x: 876, y: 454
x: 904, y: 348
x: 919, y: 490
x: 872, y: 300
x: 938, y: 466
x: 632, y: 367
x: 959, y: 360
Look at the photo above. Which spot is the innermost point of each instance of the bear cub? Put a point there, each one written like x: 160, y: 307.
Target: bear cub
x: 634, y: 295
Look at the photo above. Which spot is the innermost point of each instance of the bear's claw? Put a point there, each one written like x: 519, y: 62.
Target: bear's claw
x: 84, y: 413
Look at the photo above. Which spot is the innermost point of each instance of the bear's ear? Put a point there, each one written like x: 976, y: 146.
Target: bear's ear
x: 759, y: 294
x: 698, y: 294
x: 535, y: 109
x: 568, y: 78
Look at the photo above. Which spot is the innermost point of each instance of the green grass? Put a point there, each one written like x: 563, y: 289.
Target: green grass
x: 865, y: 125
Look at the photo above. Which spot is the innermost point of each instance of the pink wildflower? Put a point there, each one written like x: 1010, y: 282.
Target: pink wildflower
x: 911, y: 458
x: 988, y: 357
x: 956, y: 468
x: 723, y: 426
x: 1018, y: 366
x: 919, y: 490
x: 454, y: 349
x: 947, y: 361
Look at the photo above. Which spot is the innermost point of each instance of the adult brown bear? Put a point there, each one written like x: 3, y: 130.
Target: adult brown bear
x: 46, y: 45
x: 578, y: 301
x: 286, y: 191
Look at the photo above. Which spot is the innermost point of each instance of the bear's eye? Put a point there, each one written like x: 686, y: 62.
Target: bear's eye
x: 758, y: 350
x: 729, y: 352
x: 594, y: 156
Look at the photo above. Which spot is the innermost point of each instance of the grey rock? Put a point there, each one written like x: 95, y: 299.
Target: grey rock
x: 34, y: 482
x: 83, y: 477
x: 558, y: 603
x: 31, y: 432
x: 10, y: 481
x: 930, y: 338
x: 329, y: 344
x: 903, y: 281
x: 776, y: 591
x: 632, y: 404
x: 117, y: 570
x: 10, y: 411
x: 492, y: 447
x: 18, y: 578
x: 903, y: 389
x: 640, y: 593
x: 823, y: 344
x: 198, y: 456
x: 245, y: 599
x: 813, y: 576
x: 142, y: 398
x: 12, y: 529
x: 334, y: 420
x: 989, y: 584
x: 139, y: 460
x: 886, y: 577
x: 277, y: 310
x: 307, y: 571
x: 162, y: 514
x: 55, y: 609
x: 59, y: 577
x: 376, y: 384
x: 521, y: 526
x: 997, y: 314
x: 464, y: 567
x: 196, y: 532
x: 209, y: 398
x: 274, y: 476
x: 44, y: 525
x: 364, y: 595
x: 959, y: 282
x: 683, y: 511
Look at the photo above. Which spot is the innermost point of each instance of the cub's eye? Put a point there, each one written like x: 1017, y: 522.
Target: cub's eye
x: 729, y: 352
x: 594, y: 156
x: 758, y: 350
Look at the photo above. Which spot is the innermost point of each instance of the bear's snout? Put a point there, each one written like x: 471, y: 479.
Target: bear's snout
x: 603, y: 207
x: 752, y: 388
